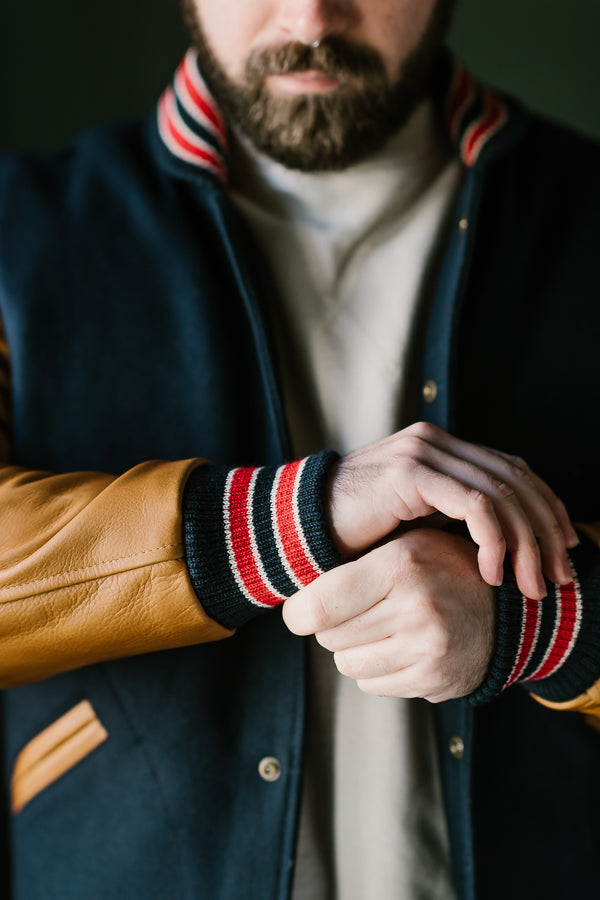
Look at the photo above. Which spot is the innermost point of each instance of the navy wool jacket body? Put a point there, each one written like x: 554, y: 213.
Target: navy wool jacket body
x: 131, y: 297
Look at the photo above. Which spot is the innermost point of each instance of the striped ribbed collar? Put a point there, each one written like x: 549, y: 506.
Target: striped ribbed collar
x: 194, y: 131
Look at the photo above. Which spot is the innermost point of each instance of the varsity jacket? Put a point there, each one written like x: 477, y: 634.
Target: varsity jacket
x: 153, y: 719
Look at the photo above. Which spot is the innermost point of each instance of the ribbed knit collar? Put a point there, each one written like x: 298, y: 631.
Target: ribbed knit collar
x: 194, y: 131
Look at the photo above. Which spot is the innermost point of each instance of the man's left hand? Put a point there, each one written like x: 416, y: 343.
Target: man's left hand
x: 411, y: 618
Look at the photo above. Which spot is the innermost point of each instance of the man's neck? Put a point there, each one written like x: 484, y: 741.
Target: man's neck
x: 351, y: 200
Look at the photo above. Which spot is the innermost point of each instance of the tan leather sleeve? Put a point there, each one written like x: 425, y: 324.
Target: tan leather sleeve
x: 91, y: 565
x: 587, y: 703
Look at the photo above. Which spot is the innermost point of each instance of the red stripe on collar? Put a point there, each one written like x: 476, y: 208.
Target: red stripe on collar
x: 474, y: 114
x: 189, y: 121
x: 192, y: 91
x: 193, y: 129
x: 482, y: 130
x: 182, y: 141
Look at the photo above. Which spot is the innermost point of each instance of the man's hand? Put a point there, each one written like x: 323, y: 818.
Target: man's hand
x: 412, y: 618
x: 421, y: 470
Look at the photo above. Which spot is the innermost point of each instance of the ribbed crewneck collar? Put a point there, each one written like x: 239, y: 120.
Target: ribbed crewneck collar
x: 349, y: 199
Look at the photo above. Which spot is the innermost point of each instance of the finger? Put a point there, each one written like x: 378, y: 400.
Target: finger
x: 338, y: 595
x: 373, y: 660
x: 548, y: 516
x: 546, y: 513
x: 492, y: 511
x: 557, y: 506
x: 378, y: 623
x: 453, y: 498
x: 516, y: 482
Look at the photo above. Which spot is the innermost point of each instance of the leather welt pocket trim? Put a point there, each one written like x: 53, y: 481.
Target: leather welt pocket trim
x: 54, y: 751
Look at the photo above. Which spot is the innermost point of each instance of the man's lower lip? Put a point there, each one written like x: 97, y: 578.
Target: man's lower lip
x: 305, y: 82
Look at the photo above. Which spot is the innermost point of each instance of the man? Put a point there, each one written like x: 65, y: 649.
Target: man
x: 351, y: 205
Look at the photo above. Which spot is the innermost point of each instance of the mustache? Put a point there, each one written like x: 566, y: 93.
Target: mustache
x: 333, y: 56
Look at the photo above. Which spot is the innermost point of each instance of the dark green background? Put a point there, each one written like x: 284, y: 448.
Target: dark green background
x: 68, y: 64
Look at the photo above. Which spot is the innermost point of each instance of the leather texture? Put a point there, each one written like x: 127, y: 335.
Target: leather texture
x: 91, y: 565
x: 92, y: 569
x: 54, y: 751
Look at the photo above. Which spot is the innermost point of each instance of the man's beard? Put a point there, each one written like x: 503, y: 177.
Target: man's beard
x: 324, y: 131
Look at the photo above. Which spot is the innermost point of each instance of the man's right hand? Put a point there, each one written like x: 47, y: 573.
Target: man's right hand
x: 423, y: 469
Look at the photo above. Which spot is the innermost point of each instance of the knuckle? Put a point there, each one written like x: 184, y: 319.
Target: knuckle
x: 528, y: 546
x: 554, y: 532
x: 429, y: 684
x: 317, y: 614
x: 437, y: 642
x: 479, y: 501
x: 518, y: 463
x: 434, y: 639
x: 341, y: 663
x: 327, y: 640
x: 439, y: 695
x: 425, y: 430
x: 504, y: 490
x: 412, y: 449
x: 403, y: 471
x: 403, y: 558
x: 368, y: 687
x: 352, y: 663
x: 424, y: 607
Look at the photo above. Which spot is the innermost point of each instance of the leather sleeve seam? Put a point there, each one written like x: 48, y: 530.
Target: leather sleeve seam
x: 94, y: 569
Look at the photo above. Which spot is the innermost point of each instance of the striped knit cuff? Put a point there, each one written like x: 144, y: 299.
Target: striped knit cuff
x: 255, y: 536
x: 551, y: 646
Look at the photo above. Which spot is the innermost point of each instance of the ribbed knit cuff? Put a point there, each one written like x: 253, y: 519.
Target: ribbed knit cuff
x: 551, y: 646
x: 254, y: 536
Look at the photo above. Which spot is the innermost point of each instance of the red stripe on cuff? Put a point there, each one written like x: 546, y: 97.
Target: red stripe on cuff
x: 529, y: 634
x: 244, y: 562
x: 567, y: 596
x: 285, y: 512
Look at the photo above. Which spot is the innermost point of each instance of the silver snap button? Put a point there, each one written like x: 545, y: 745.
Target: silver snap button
x: 269, y: 769
x: 457, y: 747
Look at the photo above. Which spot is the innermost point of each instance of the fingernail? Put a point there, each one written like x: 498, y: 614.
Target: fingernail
x: 500, y: 575
x: 573, y: 541
x: 542, y: 587
x: 567, y: 571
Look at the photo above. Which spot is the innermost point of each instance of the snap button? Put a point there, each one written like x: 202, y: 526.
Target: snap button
x: 457, y: 747
x: 463, y: 224
x: 269, y: 769
x: 430, y: 390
